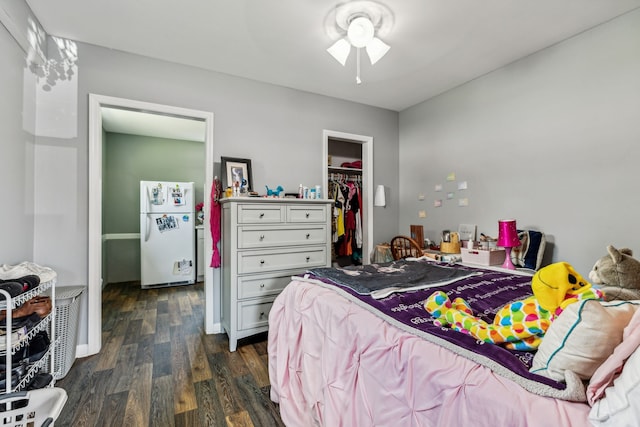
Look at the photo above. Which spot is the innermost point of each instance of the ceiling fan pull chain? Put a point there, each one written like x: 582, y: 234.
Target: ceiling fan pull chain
x: 358, y: 81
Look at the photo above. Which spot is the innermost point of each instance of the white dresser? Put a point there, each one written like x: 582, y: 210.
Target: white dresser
x: 264, y: 242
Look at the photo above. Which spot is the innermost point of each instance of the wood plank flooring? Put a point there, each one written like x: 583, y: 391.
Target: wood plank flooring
x: 158, y: 368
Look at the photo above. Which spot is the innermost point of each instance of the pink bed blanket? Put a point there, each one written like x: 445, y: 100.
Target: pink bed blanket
x: 333, y: 363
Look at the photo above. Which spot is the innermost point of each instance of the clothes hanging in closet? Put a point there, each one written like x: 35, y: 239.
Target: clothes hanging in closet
x: 346, y: 192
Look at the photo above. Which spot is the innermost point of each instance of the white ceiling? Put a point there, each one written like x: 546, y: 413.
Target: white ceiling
x: 156, y: 125
x: 435, y: 44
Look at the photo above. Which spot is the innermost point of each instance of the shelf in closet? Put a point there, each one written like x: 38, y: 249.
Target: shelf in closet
x: 341, y: 169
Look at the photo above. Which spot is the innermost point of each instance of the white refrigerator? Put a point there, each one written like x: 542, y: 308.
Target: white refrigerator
x: 167, y: 234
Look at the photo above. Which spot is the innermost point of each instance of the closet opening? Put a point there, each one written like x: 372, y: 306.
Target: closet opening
x: 347, y: 168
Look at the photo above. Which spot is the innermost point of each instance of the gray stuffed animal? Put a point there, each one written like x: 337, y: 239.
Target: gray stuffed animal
x: 617, y: 275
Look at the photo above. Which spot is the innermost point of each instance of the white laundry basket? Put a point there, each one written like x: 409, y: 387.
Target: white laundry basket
x: 38, y: 408
x: 67, y: 313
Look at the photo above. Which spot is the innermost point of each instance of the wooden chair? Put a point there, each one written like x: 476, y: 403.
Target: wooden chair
x: 404, y: 247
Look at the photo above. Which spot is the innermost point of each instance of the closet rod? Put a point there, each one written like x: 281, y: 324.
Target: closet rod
x: 340, y: 177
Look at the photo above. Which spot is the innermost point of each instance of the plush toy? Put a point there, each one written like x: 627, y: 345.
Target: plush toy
x: 617, y: 274
x: 519, y: 325
x: 275, y: 192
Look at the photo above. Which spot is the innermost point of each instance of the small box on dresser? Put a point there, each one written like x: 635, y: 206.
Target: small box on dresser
x: 482, y: 256
x: 265, y: 241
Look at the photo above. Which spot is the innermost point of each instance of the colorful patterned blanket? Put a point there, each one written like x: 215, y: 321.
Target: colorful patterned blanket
x: 486, y: 293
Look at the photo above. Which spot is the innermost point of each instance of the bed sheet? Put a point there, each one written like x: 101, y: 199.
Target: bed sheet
x: 333, y: 363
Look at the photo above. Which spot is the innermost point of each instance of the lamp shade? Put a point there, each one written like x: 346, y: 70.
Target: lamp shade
x: 508, y: 234
x: 340, y: 50
x: 376, y: 50
x: 379, y: 199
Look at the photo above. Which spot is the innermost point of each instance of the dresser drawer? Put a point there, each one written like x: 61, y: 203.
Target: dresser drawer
x: 260, y: 214
x: 258, y: 286
x: 306, y: 214
x: 283, y: 259
x: 254, y: 314
x: 263, y: 237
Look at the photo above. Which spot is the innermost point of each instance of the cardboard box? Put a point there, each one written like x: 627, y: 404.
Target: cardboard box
x: 483, y: 257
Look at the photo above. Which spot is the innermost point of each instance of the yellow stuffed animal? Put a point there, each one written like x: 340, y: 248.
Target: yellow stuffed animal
x: 519, y: 325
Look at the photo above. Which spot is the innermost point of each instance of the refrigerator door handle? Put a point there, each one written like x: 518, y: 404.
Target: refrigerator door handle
x: 147, y: 228
x: 147, y: 199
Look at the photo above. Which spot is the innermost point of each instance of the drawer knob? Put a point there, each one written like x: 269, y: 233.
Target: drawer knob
x: 262, y: 237
x: 262, y: 285
x: 308, y: 258
x: 308, y: 235
x: 307, y: 215
x: 262, y: 314
x: 261, y: 262
x: 261, y: 214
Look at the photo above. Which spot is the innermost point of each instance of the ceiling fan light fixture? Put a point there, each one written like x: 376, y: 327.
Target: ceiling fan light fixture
x: 376, y: 49
x: 360, y: 31
x: 340, y: 50
x: 359, y: 23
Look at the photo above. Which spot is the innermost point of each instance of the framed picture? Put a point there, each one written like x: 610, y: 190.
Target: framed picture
x: 234, y: 169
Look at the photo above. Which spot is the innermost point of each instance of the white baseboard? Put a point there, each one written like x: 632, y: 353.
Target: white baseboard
x: 216, y: 329
x: 82, y: 350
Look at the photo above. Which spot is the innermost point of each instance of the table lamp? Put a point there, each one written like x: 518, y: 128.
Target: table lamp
x: 508, y: 238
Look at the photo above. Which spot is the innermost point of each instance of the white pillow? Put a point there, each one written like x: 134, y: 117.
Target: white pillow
x: 619, y: 407
x: 582, y: 338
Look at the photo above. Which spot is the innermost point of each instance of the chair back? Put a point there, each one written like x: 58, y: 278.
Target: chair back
x: 404, y: 247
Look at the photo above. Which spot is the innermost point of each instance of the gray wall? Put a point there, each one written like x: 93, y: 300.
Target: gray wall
x: 552, y: 140
x: 129, y: 159
x: 280, y: 129
x: 16, y: 154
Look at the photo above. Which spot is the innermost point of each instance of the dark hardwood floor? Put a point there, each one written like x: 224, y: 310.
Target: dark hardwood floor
x: 157, y: 367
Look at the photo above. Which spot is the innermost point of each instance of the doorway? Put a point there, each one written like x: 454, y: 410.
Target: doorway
x: 366, y: 174
x: 96, y: 103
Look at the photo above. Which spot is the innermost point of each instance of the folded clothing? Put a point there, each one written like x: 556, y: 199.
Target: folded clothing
x: 26, y: 268
x: 40, y: 304
x: 17, y: 335
x: 25, y: 321
x: 353, y: 165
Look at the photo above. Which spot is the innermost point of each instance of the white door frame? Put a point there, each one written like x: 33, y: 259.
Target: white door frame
x: 367, y: 181
x: 94, y: 289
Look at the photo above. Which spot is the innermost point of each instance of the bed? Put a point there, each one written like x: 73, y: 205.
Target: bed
x: 338, y: 357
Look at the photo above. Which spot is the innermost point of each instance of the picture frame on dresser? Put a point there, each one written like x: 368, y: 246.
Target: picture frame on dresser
x: 236, y: 169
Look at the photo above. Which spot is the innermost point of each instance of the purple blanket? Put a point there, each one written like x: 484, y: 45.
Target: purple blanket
x: 486, y: 294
